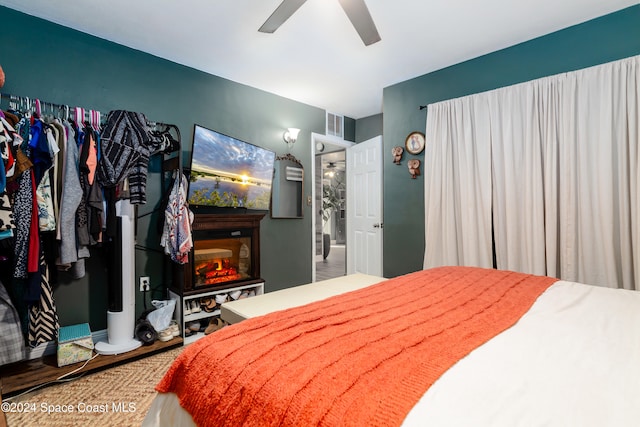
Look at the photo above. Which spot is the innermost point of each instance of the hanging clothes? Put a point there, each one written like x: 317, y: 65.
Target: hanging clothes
x: 22, y: 210
x: 90, y: 229
x: 44, y: 191
x: 61, y: 140
x: 71, y: 196
x: 51, y: 194
x: 12, y: 348
x: 176, y: 236
x: 43, y: 317
x: 5, y: 157
x: 126, y: 145
x: 40, y: 149
x: 13, y: 162
x: 53, y: 177
x: 34, y: 228
x: 82, y: 213
x: 7, y: 168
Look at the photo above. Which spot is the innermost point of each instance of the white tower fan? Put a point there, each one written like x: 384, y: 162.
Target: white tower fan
x: 121, y: 323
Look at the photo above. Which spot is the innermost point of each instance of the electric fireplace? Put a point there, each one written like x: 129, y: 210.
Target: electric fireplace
x: 226, y: 253
x: 220, y: 259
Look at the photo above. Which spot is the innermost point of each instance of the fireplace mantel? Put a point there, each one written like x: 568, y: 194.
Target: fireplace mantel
x: 226, y: 221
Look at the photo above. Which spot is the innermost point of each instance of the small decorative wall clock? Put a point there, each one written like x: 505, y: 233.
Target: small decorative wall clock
x: 415, y: 142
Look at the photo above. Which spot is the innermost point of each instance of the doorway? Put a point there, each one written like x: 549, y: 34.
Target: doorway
x: 329, y: 206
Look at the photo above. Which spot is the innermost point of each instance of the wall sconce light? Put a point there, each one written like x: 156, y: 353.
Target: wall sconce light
x: 290, y: 136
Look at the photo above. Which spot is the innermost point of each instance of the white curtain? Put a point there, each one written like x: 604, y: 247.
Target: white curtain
x: 599, y: 193
x: 563, y: 174
x: 458, y: 184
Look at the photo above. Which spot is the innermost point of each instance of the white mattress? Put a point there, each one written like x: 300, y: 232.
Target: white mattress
x: 572, y: 360
x: 239, y: 310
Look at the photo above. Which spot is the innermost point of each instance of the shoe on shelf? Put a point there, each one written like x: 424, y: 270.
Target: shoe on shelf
x: 208, y: 304
x: 194, y: 326
x: 195, y: 306
x: 235, y: 294
x: 215, y: 324
x: 174, y: 328
x: 187, y: 307
x: 165, y: 335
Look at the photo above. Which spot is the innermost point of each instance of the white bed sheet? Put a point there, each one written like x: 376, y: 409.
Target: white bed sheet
x: 572, y: 360
x: 242, y: 309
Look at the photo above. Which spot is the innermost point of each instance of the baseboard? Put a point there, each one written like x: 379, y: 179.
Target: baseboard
x: 50, y: 347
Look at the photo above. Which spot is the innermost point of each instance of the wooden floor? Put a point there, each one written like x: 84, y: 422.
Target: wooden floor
x: 334, y: 265
x: 22, y: 376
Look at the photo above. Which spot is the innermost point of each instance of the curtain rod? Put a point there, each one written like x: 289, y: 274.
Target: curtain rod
x: 422, y: 107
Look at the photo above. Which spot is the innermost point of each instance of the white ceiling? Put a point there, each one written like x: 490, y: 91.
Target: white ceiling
x: 316, y: 57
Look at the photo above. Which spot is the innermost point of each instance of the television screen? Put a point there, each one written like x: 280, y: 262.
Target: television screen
x: 229, y: 173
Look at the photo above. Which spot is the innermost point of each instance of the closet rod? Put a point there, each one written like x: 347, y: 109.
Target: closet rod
x: 30, y: 101
x: 21, y: 99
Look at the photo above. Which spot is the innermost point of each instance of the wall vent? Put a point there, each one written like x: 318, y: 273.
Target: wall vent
x: 335, y: 125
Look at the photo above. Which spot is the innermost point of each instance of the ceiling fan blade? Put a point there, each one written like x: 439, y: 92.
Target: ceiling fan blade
x: 280, y: 15
x: 359, y: 15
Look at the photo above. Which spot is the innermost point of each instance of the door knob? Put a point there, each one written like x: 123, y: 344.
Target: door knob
x: 379, y: 225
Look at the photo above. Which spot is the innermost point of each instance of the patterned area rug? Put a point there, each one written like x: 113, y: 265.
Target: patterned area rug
x: 119, y: 396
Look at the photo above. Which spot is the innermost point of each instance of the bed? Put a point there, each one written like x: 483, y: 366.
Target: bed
x: 441, y: 347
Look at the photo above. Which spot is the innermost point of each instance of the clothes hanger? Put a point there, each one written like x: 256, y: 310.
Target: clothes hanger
x: 176, y: 143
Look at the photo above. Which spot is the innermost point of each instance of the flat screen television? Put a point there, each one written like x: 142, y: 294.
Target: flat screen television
x: 227, y: 173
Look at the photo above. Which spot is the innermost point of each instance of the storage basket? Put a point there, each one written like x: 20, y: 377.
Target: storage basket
x: 75, y: 344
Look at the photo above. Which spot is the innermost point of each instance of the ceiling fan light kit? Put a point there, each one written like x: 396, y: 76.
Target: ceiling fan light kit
x: 356, y: 11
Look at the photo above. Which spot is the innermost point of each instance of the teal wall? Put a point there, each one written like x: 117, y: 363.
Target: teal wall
x: 368, y: 127
x: 601, y: 40
x: 349, y: 133
x: 56, y: 64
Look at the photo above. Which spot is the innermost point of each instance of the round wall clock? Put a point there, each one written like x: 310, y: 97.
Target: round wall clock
x: 414, y: 142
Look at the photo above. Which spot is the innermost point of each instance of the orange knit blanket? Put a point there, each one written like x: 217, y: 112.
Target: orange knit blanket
x: 363, y: 358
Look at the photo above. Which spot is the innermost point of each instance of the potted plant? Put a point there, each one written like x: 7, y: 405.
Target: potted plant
x: 330, y: 204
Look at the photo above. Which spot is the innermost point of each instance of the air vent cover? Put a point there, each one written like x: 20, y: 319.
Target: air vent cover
x: 335, y: 125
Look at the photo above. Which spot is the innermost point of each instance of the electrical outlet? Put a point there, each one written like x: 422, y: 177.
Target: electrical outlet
x: 144, y: 283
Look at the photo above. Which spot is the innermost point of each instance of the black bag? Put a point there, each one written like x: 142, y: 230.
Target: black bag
x: 144, y: 331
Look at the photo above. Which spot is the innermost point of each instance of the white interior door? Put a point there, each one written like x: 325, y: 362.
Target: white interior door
x: 364, y: 207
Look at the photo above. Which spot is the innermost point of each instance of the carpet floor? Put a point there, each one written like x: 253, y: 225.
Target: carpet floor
x: 115, y: 397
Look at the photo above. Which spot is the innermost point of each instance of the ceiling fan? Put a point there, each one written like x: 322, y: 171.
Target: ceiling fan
x: 356, y: 11
x: 331, y: 168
